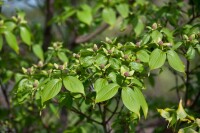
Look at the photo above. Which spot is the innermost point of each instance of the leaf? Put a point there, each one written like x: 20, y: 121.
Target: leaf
x: 123, y: 10
x: 198, y: 48
x: 85, y: 15
x: 169, y: 35
x: 106, y: 92
x: 1, y: 42
x: 129, y: 99
x: 10, y: 25
x: 12, y: 41
x: 87, y: 61
x: 174, y: 61
x: 101, y: 59
x: 181, y: 114
x: 37, y: 50
x: 143, y: 56
x: 51, y: 89
x: 142, y: 101
x: 157, y: 59
x: 25, y: 35
x: 190, y: 53
x: 73, y: 85
x: 115, y: 63
x: 136, y: 66
x: 62, y: 57
x: 138, y: 26
x: 156, y: 36
x: 109, y: 16
x: 100, y: 84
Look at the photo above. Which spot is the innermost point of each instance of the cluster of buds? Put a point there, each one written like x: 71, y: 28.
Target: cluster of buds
x: 28, y: 71
x: 77, y: 56
x: 95, y: 48
x: 60, y: 67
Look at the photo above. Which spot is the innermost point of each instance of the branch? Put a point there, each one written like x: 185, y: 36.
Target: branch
x: 85, y: 38
x: 187, y: 81
x: 114, y: 112
x: 4, y: 93
x: 80, y: 113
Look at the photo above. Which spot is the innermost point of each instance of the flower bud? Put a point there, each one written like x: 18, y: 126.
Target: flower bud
x: 29, y: 70
x: 102, y: 66
x: 40, y: 64
x: 61, y: 67
x: 35, y: 84
x: 95, y: 48
x: 160, y: 42
x: 126, y: 74
x: 109, y: 51
x: 154, y: 26
x: 126, y: 57
x: 138, y: 44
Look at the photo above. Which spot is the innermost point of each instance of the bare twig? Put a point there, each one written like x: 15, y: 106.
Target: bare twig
x: 85, y: 38
x: 5, y: 93
x: 187, y: 81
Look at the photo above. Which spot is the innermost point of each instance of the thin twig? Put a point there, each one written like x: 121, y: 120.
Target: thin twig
x: 187, y: 81
x: 81, y: 113
x: 5, y: 93
x: 85, y: 38
x: 114, y: 112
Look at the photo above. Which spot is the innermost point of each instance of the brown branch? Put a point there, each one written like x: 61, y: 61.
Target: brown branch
x: 4, y: 93
x: 47, y: 31
x: 85, y: 38
x: 187, y: 72
x: 80, y: 113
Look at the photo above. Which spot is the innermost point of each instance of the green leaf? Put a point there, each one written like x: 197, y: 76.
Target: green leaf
x: 174, y: 61
x: 106, y: 92
x: 169, y: 34
x: 12, y: 41
x: 1, y: 42
x: 123, y: 10
x: 115, y: 63
x: 130, y: 100
x: 101, y: 59
x: 190, y: 53
x: 138, y: 26
x: 198, y: 48
x: 157, y: 59
x: 62, y: 57
x: 87, y: 61
x: 181, y: 114
x: 187, y: 130
x: 51, y: 89
x: 164, y: 113
x: 10, y: 25
x: 100, y: 84
x: 73, y: 85
x: 37, y: 50
x: 109, y: 16
x: 143, y: 56
x: 156, y: 36
x: 142, y: 101
x: 85, y: 15
x: 25, y: 35
x: 136, y: 66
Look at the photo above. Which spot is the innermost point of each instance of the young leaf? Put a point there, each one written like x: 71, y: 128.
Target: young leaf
x: 138, y: 26
x: 190, y: 53
x: 25, y: 35
x: 181, y: 114
x: 51, y: 89
x: 109, y: 16
x: 37, y: 50
x: 156, y: 36
x: 143, y: 56
x: 123, y: 10
x: 130, y: 100
x: 106, y: 92
x: 174, y: 61
x: 62, y: 57
x: 142, y: 101
x: 1, y: 42
x: 85, y: 15
x: 100, y: 84
x: 73, y: 85
x: 157, y: 59
x: 12, y: 41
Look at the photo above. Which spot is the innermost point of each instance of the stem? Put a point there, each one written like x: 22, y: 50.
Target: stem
x: 114, y: 112
x: 177, y: 89
x: 187, y: 81
x: 5, y: 93
x: 81, y: 113
x: 103, y: 116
